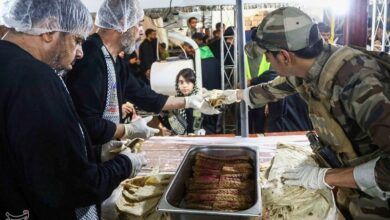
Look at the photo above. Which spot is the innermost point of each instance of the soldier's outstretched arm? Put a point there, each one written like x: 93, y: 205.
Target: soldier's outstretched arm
x: 272, y: 91
x: 254, y: 96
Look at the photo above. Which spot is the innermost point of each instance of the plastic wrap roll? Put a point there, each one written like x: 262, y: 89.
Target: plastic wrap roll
x: 163, y: 75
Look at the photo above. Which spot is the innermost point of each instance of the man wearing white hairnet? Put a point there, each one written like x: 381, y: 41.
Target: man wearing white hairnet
x: 100, y: 81
x: 47, y: 165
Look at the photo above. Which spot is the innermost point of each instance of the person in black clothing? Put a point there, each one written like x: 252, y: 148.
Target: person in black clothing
x: 215, y: 44
x: 148, y: 53
x: 48, y: 167
x: 220, y: 26
x: 288, y: 114
x: 324, y: 31
x: 89, y: 79
x: 183, y: 121
x: 229, y: 47
x: 134, y: 64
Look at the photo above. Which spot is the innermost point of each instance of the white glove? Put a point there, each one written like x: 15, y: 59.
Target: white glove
x: 199, y: 103
x: 227, y: 96
x: 138, y: 160
x: 200, y: 132
x: 108, y: 147
x: 139, y: 129
x: 307, y: 176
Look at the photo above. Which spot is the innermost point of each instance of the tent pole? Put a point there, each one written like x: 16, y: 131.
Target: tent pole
x: 241, y: 65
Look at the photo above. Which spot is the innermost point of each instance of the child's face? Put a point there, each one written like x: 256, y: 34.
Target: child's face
x: 193, y: 23
x: 185, y: 87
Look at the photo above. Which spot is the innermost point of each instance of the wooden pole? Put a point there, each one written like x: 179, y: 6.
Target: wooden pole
x: 355, y: 29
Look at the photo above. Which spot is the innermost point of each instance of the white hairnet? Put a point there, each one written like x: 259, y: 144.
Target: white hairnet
x: 119, y: 15
x: 41, y: 16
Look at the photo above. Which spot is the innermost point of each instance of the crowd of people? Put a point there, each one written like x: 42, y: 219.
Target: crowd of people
x: 65, y: 95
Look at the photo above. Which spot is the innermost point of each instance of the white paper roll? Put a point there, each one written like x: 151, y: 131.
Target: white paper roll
x: 163, y: 75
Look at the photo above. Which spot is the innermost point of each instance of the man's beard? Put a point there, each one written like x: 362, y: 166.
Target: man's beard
x: 56, y: 65
x: 129, y: 44
x: 57, y: 55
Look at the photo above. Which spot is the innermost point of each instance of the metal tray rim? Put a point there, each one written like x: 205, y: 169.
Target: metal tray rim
x: 254, y: 211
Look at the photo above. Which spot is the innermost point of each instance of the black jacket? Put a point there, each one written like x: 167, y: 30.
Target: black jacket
x: 147, y: 54
x: 288, y: 114
x: 87, y: 84
x: 44, y: 167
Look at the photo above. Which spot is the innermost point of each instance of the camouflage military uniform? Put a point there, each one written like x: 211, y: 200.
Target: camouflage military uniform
x: 359, y: 102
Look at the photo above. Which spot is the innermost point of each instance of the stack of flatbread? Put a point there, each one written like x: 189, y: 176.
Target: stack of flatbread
x: 140, y: 196
x: 220, y: 183
x: 292, y: 202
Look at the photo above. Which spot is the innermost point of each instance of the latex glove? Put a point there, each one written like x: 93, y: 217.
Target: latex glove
x: 307, y: 176
x: 226, y: 96
x: 138, y: 160
x: 109, y: 146
x: 200, y: 132
x: 199, y: 103
x: 139, y: 129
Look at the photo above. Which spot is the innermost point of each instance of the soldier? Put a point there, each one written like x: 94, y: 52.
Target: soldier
x: 347, y: 92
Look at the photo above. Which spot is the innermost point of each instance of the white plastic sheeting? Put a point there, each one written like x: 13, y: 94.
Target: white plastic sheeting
x: 93, y: 5
x: 163, y: 75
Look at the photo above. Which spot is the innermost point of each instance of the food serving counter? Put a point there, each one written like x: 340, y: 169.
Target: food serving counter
x: 166, y: 153
x: 171, y: 156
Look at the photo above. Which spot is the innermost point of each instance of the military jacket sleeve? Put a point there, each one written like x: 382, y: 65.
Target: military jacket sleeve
x: 272, y: 91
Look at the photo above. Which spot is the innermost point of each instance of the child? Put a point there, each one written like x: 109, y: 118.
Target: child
x: 184, y: 121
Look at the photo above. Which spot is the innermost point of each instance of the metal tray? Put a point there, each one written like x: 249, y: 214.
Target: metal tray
x: 172, y: 200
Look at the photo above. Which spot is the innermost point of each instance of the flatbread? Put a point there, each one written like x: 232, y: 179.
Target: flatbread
x: 143, y: 193
x: 137, y: 208
x: 217, y: 101
x: 134, y: 145
x: 140, y: 196
x: 215, y: 98
x: 139, y: 181
x: 292, y: 202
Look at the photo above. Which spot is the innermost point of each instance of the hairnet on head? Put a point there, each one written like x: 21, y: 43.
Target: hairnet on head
x: 119, y: 15
x: 41, y: 16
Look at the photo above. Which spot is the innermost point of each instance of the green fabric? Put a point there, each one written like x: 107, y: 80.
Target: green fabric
x: 264, y: 66
x: 164, y: 55
x: 205, y: 52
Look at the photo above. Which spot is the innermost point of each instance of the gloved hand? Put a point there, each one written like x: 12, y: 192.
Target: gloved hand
x: 227, y: 97
x: 109, y: 146
x: 199, y: 103
x: 138, y: 160
x: 309, y: 177
x: 139, y: 129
